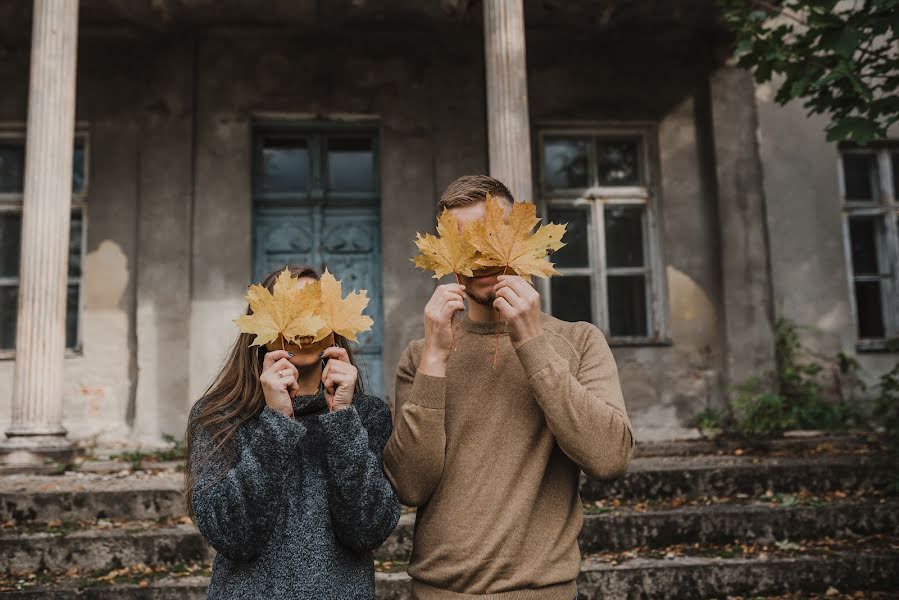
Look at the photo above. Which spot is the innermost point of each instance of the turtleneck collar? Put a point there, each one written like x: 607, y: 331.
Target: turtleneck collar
x: 483, y: 327
x: 309, y: 403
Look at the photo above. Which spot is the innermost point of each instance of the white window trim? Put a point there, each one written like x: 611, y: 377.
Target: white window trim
x: 13, y: 202
x: 600, y: 196
x: 886, y: 207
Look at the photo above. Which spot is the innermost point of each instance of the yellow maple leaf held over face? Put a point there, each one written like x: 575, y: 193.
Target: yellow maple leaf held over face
x: 288, y: 310
x: 341, y: 315
x: 449, y: 253
x: 510, y: 243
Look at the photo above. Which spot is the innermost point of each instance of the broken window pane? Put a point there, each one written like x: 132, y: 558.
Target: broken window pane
x: 618, y: 162
x: 566, y: 163
x: 571, y: 297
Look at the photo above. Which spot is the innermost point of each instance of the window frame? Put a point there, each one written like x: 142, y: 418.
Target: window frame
x: 13, y: 202
x: 884, y: 208
x: 597, y: 198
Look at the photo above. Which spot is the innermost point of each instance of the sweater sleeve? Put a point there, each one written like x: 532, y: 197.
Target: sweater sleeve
x: 586, y: 411
x: 236, y: 507
x: 364, y: 508
x: 414, y: 457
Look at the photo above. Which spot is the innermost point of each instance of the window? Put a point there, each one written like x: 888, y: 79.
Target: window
x: 599, y: 183
x: 12, y: 180
x: 869, y: 184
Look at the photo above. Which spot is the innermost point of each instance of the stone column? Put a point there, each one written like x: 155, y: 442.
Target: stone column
x: 747, y: 292
x: 36, y: 430
x: 508, y: 126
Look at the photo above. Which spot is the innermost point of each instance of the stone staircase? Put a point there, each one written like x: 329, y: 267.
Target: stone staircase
x: 690, y: 520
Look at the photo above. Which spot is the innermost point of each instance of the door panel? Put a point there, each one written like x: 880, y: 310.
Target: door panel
x: 321, y: 227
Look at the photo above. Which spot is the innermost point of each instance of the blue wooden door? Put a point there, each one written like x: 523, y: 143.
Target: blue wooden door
x: 316, y: 202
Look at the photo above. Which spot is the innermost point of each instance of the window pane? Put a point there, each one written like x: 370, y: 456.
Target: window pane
x: 8, y: 301
x: 72, y: 316
x: 351, y: 165
x: 627, y: 305
x: 566, y: 163
x: 861, y: 176
x: 624, y: 236
x: 10, y: 232
x: 866, y: 241
x: 575, y: 252
x: 285, y: 166
x: 618, y: 162
x: 571, y: 297
x: 870, y: 310
x: 78, y: 168
x: 12, y: 168
x: 75, y: 230
x: 895, y: 162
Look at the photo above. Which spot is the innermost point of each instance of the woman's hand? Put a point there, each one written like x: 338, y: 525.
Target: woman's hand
x: 338, y: 378
x: 279, y: 382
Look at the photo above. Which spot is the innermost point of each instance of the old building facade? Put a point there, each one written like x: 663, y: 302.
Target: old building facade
x: 212, y: 142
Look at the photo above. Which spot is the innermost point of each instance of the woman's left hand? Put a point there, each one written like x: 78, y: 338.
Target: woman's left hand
x: 338, y: 378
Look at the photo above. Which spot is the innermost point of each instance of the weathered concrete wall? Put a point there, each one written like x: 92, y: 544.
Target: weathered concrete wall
x: 608, y: 81
x: 170, y: 217
x: 99, y: 382
x: 805, y: 224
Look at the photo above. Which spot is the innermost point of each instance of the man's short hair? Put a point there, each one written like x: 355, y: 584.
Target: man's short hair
x: 470, y: 189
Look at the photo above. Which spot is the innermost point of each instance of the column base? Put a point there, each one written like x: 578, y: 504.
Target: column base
x: 35, y: 451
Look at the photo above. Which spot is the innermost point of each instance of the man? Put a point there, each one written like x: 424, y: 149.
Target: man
x: 492, y: 456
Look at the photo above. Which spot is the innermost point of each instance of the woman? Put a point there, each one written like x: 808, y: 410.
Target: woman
x: 284, y: 474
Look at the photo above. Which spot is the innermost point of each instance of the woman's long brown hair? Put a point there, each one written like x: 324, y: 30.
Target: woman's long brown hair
x: 235, y: 396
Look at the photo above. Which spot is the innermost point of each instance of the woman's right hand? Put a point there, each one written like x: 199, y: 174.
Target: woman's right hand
x: 279, y: 382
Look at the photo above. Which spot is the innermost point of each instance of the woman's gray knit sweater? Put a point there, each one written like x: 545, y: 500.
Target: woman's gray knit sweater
x: 300, y: 511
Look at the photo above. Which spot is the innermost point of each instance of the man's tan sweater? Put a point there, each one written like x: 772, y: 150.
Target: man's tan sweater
x: 491, y: 457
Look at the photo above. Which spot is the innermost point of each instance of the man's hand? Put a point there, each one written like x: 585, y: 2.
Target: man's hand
x: 518, y: 304
x: 446, y: 301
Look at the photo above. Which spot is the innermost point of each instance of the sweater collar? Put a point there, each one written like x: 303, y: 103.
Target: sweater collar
x: 483, y: 327
x: 309, y: 403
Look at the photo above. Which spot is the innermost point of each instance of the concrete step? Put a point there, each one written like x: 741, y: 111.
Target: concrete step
x: 628, y: 527
x: 866, y: 565
x: 101, y: 549
x: 142, y: 495
x: 85, y: 548
x: 692, y: 476
x: 81, y: 496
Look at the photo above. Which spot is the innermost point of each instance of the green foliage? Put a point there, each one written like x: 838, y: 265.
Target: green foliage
x: 886, y: 410
x: 841, y: 63
x: 798, y: 402
x: 710, y: 422
x: 757, y: 413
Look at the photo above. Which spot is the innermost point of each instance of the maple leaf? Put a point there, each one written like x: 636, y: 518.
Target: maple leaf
x: 511, y: 243
x: 341, y: 315
x: 449, y: 253
x: 288, y: 311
